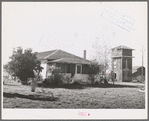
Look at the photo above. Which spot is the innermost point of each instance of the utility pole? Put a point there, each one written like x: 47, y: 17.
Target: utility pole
x: 105, y: 63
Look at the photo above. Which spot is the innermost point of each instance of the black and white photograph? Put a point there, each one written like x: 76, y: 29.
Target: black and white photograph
x: 74, y: 60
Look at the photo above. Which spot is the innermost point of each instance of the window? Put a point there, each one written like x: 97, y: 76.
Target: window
x: 127, y: 52
x: 78, y: 69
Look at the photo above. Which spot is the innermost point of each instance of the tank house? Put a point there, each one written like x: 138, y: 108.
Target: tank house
x: 122, y: 63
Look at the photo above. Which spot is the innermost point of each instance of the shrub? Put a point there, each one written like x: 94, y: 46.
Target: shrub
x: 91, y: 78
x: 46, y: 81
x: 140, y: 78
x: 98, y: 78
x: 76, y: 83
x: 57, y: 78
x: 66, y: 79
x: 94, y: 79
x: 134, y: 81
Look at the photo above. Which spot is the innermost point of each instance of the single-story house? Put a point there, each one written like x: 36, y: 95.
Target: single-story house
x: 68, y: 63
x: 137, y: 71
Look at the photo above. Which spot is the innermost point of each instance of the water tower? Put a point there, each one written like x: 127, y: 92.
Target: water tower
x: 122, y: 63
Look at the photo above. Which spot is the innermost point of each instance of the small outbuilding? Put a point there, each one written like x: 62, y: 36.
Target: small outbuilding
x: 138, y: 71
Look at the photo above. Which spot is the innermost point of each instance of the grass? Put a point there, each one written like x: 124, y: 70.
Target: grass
x: 119, y: 96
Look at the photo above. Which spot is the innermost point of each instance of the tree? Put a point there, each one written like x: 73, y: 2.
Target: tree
x: 6, y: 67
x: 103, y: 55
x: 23, y: 64
x: 95, y: 67
x: 103, y: 43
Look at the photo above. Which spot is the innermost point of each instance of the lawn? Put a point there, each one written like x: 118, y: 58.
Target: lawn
x: 121, y: 96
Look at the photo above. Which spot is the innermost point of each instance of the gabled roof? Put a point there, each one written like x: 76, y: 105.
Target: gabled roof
x: 61, y: 56
x: 135, y: 68
x: 122, y: 47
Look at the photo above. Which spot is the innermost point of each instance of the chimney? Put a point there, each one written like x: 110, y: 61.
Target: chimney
x: 84, y: 54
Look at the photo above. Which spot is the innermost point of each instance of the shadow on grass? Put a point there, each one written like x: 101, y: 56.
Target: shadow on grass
x: 31, y: 97
x: 79, y: 86
x: 11, y: 84
x: 112, y: 86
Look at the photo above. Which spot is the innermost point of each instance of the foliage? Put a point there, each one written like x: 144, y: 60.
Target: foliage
x: 57, y: 78
x: 66, y: 79
x: 72, y: 74
x: 98, y: 78
x: 94, y: 71
x: 91, y: 78
x: 102, y: 47
x: 140, y: 78
x: 8, y: 69
x: 95, y: 68
x: 111, y: 76
x: 23, y: 64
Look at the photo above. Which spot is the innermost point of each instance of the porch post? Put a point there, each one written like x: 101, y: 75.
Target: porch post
x: 75, y: 68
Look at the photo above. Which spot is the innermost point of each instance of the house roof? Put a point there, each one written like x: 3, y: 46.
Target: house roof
x: 135, y: 68
x: 61, y: 56
x: 72, y: 60
x: 122, y: 56
x: 134, y: 71
x: 42, y: 55
x: 122, y: 47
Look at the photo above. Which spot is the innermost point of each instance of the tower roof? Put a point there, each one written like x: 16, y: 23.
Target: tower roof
x: 122, y: 47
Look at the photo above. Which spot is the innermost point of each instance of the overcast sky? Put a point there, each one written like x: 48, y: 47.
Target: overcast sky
x: 72, y: 27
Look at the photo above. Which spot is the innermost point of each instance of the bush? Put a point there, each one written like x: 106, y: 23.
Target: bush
x: 140, y: 78
x: 46, y: 81
x: 98, y: 78
x: 94, y: 79
x: 57, y: 78
x: 76, y: 83
x: 66, y: 79
x: 91, y: 78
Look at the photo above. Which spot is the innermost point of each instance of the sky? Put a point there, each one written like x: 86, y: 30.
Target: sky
x: 74, y: 27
